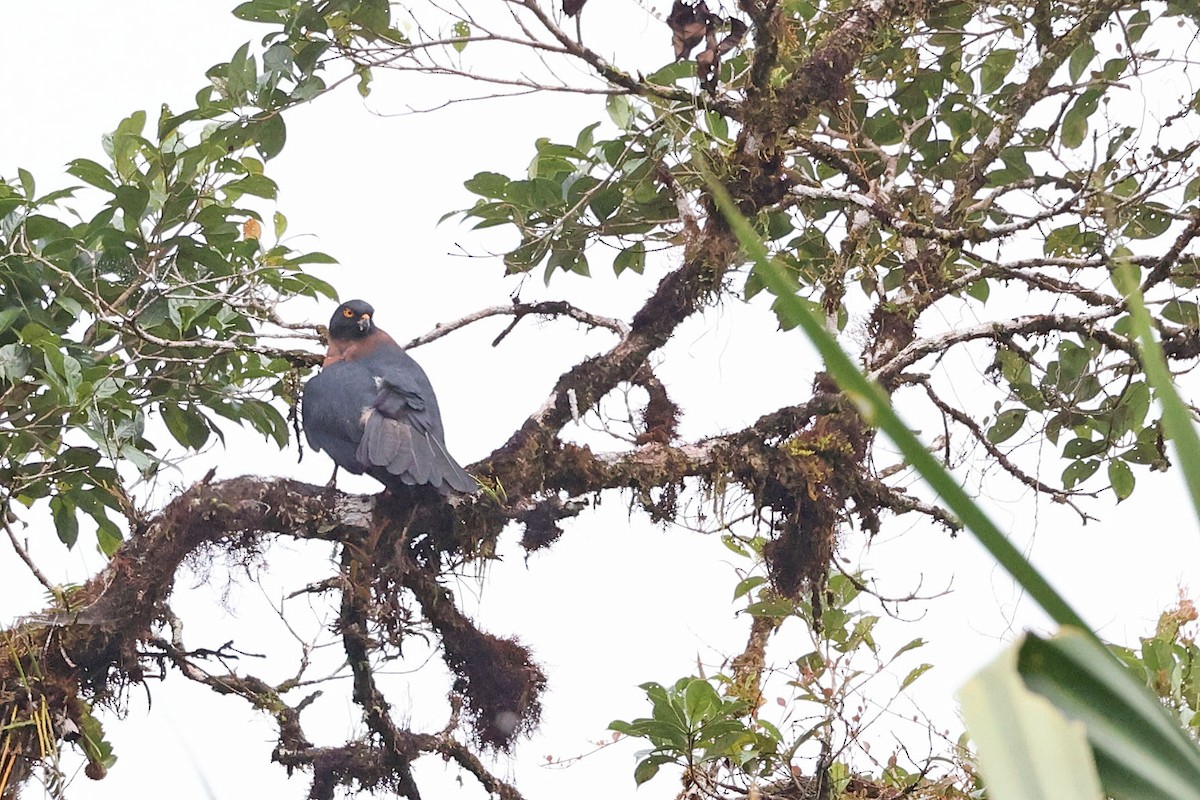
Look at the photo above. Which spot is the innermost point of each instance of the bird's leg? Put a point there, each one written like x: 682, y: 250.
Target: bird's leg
x: 332, y: 479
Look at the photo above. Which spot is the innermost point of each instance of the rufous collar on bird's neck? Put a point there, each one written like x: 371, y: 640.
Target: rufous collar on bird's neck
x: 354, y: 349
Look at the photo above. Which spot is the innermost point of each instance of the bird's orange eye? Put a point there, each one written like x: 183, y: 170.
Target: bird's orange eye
x: 347, y: 313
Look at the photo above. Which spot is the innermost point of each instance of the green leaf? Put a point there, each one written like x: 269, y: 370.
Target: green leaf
x: 996, y: 67
x: 272, y: 11
x: 632, y: 257
x: 313, y: 286
x: 883, y: 128
x: 675, y: 71
x: 27, y: 182
x: 97, y: 749
x: 132, y: 200
x: 9, y: 316
x: 913, y: 645
x: 1191, y: 192
x: 1141, y: 453
x: 778, y: 607
x: 746, y: 584
x: 373, y: 16
x: 700, y: 700
x: 124, y: 143
x: 1127, y: 187
x: 1075, y: 121
x: 108, y: 535
x: 314, y: 257
x: 10, y: 204
x: 1006, y: 425
x: 257, y: 185
x: 145, y: 463
x: 1072, y: 361
x: 605, y: 202
x: 93, y: 173
x: 1136, y: 27
x: 1083, y: 448
x: 488, y: 184
x: 1079, y: 471
x: 270, y: 135
x: 278, y: 59
x: 980, y: 290
x: 620, y: 110
x: 65, y: 522
x: 915, y: 673
x: 647, y: 768
x: 309, y: 88
x: 267, y: 420
x: 45, y: 229
x: 586, y: 138
x: 788, y: 313
x: 717, y: 125
x: 1149, y: 221
x: 1121, y: 478
x: 461, y: 31
x: 1027, y: 749
x: 1182, y: 312
x: 365, y: 76
x: 188, y: 428
x: 1081, y: 56
x: 241, y: 74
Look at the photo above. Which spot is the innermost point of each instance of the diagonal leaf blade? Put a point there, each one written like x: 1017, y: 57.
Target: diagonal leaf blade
x: 1028, y: 750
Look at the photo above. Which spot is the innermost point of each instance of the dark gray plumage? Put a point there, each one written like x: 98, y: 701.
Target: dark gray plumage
x: 373, y: 410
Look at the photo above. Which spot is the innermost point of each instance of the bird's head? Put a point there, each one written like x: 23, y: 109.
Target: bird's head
x: 352, y: 320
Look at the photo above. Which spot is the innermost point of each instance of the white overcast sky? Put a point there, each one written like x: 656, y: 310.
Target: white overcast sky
x: 617, y: 602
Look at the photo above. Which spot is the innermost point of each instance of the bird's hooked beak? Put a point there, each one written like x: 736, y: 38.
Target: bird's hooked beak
x: 364, y: 322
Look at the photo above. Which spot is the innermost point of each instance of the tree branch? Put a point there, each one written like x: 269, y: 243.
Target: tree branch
x: 1034, y: 324
x: 548, y: 308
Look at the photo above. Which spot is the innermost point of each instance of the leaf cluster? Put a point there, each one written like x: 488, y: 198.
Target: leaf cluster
x: 150, y: 304
x: 692, y: 724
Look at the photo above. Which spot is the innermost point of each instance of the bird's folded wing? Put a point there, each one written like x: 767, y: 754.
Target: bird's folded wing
x: 401, y: 434
x: 405, y: 393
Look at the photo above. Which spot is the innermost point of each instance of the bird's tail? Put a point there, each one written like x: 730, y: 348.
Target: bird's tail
x: 411, y: 456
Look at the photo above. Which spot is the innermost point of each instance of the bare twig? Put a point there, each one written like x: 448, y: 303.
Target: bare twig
x: 977, y: 432
x: 24, y: 554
